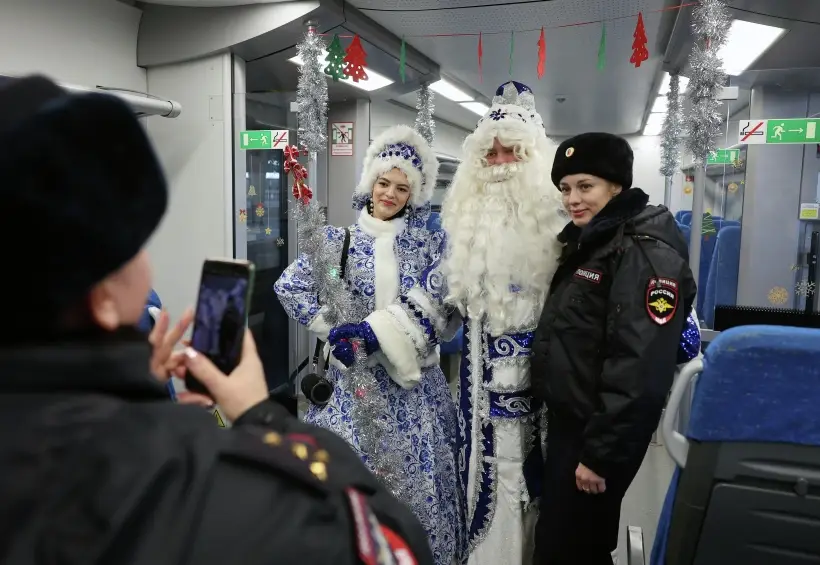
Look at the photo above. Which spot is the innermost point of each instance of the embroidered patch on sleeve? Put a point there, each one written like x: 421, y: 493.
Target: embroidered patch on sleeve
x: 371, y: 542
x: 661, y: 299
x: 589, y: 275
x: 404, y: 556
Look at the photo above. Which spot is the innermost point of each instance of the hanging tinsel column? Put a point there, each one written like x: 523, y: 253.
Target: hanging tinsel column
x: 710, y: 23
x: 370, y: 406
x: 671, y: 132
x: 311, y: 95
x: 425, y: 124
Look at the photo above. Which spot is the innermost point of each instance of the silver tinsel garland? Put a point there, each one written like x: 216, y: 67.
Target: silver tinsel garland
x: 672, y: 131
x: 369, y: 405
x: 710, y: 23
x: 425, y: 124
x: 311, y: 95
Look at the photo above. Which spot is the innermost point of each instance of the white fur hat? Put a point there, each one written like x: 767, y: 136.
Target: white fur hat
x: 513, y: 108
x: 401, y: 147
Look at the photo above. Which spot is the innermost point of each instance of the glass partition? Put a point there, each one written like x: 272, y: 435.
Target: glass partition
x: 262, y: 227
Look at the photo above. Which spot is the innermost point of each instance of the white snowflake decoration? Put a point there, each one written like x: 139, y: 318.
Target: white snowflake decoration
x: 805, y: 288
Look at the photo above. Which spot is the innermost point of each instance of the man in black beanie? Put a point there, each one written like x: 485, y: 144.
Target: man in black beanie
x: 98, y: 465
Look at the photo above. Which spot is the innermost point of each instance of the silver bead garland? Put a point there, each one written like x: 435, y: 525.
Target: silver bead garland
x: 710, y: 23
x: 425, y: 124
x: 672, y: 130
x: 311, y: 95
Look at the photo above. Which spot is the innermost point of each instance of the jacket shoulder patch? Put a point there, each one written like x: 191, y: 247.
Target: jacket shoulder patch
x: 371, y: 541
x: 589, y: 275
x: 661, y: 299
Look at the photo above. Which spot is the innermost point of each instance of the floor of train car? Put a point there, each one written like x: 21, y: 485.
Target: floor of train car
x: 644, y: 499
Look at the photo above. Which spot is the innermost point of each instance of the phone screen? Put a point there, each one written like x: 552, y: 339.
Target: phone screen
x: 221, y: 312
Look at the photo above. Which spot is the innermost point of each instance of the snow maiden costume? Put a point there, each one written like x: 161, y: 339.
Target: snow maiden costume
x: 386, y: 259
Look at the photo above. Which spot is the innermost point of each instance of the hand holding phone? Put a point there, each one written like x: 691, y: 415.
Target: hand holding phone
x: 239, y: 391
x: 221, y: 315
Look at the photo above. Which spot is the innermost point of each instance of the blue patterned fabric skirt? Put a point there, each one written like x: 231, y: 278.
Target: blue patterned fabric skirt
x: 423, y: 430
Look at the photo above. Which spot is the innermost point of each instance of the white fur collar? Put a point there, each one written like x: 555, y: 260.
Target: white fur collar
x: 379, y: 228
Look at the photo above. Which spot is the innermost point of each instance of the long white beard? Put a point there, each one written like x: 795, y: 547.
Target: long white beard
x: 502, y: 224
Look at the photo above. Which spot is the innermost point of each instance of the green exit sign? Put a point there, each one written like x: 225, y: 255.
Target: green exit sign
x: 792, y: 131
x: 723, y: 156
x: 263, y: 139
x: 775, y: 132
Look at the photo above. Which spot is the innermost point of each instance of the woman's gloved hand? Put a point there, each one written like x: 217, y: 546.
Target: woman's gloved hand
x: 341, y: 337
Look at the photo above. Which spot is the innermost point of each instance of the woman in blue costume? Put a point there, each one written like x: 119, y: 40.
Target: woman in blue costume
x: 390, y: 251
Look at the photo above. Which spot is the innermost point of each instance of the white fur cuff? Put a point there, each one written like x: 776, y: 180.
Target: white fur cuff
x: 319, y: 326
x: 397, y: 346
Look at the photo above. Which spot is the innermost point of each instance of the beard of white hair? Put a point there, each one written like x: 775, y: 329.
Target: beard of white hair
x: 502, y: 224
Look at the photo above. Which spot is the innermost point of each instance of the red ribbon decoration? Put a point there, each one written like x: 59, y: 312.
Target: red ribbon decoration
x: 542, y: 55
x: 299, y: 171
x: 291, y: 153
x: 301, y: 191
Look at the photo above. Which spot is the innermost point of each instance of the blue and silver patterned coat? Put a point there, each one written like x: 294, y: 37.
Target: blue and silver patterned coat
x: 386, y: 261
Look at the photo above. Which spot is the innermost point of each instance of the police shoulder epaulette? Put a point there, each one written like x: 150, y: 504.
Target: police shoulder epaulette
x: 295, y: 455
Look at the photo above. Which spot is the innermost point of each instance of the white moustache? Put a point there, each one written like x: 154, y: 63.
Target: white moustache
x: 499, y: 173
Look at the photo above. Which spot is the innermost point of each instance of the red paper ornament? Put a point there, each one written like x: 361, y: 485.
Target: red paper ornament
x: 639, y: 51
x: 542, y: 54
x: 480, y: 59
x: 356, y: 60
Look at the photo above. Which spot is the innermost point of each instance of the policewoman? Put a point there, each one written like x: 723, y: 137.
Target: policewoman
x: 606, y: 346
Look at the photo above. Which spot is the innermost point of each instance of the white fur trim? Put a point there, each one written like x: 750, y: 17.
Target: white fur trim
x: 319, y: 326
x: 384, y: 255
x: 435, y: 315
x: 530, y: 128
x: 397, y: 347
x: 421, y: 186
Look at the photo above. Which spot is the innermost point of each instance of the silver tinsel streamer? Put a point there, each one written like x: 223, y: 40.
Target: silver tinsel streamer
x: 324, y: 264
x: 671, y: 132
x: 425, y: 124
x: 312, y: 94
x: 710, y: 23
x: 370, y: 405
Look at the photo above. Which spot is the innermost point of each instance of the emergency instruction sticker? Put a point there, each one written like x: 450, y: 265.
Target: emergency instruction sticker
x: 661, y: 299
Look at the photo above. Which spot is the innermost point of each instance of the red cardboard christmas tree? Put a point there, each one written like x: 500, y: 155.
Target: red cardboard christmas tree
x: 356, y: 60
x: 639, y: 51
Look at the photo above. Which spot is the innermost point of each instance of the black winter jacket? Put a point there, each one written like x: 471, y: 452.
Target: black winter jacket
x: 99, y: 466
x: 606, y: 345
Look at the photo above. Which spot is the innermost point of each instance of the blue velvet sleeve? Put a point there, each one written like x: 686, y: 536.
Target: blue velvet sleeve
x: 296, y: 288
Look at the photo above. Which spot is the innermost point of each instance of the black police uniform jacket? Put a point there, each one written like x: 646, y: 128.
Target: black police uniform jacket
x: 100, y: 467
x: 606, y: 344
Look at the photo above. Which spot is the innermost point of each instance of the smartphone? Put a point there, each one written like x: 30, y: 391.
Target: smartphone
x: 221, y: 314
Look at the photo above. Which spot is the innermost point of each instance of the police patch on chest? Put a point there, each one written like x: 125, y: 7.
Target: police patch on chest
x: 661, y: 299
x: 589, y: 275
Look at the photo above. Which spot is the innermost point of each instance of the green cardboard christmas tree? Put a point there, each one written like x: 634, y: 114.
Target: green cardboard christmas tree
x: 335, y: 60
x: 707, y: 228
